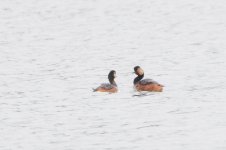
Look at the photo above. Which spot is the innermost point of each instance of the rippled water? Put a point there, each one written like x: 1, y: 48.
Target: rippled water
x: 52, y: 53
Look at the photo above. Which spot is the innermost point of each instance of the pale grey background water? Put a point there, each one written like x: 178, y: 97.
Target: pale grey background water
x: 52, y: 53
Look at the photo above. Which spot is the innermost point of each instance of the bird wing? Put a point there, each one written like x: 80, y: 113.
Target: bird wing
x: 148, y: 81
x: 106, y: 86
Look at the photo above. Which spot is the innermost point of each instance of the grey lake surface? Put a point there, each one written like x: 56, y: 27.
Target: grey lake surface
x: 53, y: 52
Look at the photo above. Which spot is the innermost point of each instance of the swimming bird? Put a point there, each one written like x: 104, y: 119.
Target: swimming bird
x: 108, y: 87
x: 145, y: 84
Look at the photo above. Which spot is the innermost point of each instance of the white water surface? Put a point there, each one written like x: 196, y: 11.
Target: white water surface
x: 53, y: 52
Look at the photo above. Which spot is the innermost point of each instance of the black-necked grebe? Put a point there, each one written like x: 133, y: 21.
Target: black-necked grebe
x: 106, y: 87
x: 145, y: 84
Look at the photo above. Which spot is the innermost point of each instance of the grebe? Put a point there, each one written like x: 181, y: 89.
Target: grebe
x: 145, y: 84
x: 106, y: 87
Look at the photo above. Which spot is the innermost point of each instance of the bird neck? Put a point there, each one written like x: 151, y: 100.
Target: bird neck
x: 138, y: 78
x: 112, y: 81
